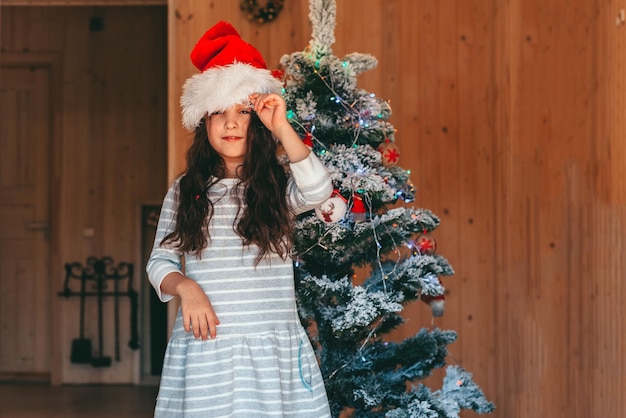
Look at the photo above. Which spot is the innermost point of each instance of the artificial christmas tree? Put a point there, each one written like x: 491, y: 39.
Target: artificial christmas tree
x: 348, y: 322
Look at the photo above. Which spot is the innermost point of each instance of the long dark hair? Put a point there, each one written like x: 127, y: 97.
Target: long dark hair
x: 265, y: 220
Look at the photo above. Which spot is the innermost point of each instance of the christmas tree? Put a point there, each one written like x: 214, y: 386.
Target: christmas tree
x: 362, y: 228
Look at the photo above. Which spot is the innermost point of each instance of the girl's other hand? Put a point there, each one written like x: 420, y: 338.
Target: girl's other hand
x: 198, y: 314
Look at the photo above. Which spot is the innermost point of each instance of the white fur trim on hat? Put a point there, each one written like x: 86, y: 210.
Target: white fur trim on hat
x: 219, y: 88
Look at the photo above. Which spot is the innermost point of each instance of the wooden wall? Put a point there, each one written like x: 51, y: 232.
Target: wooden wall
x: 510, y: 115
x: 109, y: 154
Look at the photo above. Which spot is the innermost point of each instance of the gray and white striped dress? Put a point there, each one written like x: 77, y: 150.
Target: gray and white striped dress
x: 261, y: 363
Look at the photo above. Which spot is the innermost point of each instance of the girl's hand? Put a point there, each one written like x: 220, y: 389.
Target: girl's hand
x: 198, y: 314
x: 272, y: 111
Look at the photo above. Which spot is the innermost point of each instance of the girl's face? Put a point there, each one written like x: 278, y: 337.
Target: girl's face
x: 227, y: 132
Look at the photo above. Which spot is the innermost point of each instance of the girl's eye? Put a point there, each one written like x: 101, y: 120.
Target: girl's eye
x: 246, y: 111
x: 217, y: 112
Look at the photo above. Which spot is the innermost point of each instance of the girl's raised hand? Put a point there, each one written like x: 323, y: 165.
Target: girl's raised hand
x: 271, y: 109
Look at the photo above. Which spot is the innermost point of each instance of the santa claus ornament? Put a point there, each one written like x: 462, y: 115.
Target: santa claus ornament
x: 333, y: 209
x: 359, y: 211
x: 437, y: 304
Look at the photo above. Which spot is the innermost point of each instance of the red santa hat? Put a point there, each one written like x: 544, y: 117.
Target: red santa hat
x: 231, y: 70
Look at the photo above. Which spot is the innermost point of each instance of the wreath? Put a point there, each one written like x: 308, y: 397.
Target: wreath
x: 260, y: 14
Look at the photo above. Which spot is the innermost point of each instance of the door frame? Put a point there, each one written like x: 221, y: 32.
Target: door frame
x: 55, y: 271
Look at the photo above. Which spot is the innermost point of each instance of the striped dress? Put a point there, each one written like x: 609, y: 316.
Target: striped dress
x: 261, y: 363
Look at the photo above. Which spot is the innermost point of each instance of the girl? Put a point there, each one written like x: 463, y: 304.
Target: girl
x: 237, y: 348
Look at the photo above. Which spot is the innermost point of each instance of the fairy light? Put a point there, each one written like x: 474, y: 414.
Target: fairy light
x: 368, y: 205
x: 351, y: 110
x: 396, y: 251
x: 304, y: 128
x: 370, y: 335
x: 320, y: 239
x: 336, y: 371
x: 348, y: 109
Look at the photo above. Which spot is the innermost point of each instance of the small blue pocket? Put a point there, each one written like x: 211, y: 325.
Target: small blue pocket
x: 305, y: 382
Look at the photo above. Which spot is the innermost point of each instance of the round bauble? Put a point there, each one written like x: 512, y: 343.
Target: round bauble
x: 333, y: 209
x: 425, y: 244
x: 389, y: 153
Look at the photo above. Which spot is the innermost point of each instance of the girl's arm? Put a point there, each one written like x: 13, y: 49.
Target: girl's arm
x: 164, y: 270
x: 310, y: 183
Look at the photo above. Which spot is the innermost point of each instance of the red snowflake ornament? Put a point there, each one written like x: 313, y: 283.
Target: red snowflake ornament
x: 389, y: 152
x: 425, y: 244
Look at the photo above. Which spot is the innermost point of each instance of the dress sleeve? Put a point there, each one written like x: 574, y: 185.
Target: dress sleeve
x: 309, y: 185
x: 165, y: 259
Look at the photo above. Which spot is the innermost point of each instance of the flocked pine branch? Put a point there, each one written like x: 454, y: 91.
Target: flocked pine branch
x: 322, y: 15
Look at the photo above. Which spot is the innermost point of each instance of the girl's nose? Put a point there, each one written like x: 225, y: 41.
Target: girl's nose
x: 231, y: 121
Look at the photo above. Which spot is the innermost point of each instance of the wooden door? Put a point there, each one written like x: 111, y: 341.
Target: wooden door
x: 25, y: 289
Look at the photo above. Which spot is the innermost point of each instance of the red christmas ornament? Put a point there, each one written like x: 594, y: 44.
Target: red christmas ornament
x: 308, y: 140
x: 425, y: 244
x: 278, y: 74
x: 389, y: 152
x: 358, y: 208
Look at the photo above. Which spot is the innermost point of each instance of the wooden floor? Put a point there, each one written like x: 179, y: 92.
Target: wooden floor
x: 25, y: 400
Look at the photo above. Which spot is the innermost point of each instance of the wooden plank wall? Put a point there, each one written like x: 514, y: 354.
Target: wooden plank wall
x: 559, y: 206
x: 110, y: 155
x: 510, y: 114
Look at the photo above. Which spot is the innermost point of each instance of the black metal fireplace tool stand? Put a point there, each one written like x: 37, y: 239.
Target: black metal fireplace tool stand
x: 100, y: 272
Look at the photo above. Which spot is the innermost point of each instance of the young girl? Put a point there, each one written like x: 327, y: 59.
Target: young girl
x: 237, y: 348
